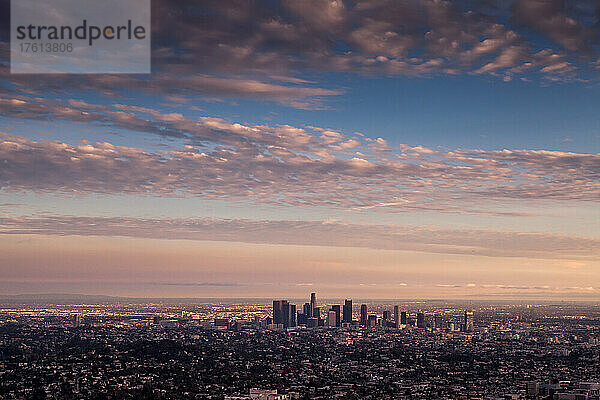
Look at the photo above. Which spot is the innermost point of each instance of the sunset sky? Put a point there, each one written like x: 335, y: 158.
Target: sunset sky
x: 370, y: 149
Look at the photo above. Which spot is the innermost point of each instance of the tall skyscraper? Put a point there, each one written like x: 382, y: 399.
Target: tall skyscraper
x: 302, y: 319
x: 307, y: 310
x: 317, y: 312
x: 285, y: 313
x: 347, y: 317
x: 468, y: 322
x: 277, y: 312
x: 396, y: 317
x: 338, y: 314
x: 282, y: 313
x: 403, y: 318
x: 420, y: 320
x: 363, y: 315
x: 313, y: 303
x: 386, y: 317
x: 293, y: 321
x: 331, y: 318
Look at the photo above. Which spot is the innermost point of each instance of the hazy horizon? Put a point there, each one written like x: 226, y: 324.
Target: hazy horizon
x: 91, y: 299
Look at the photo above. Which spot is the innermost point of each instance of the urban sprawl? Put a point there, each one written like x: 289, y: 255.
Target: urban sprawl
x: 273, y: 351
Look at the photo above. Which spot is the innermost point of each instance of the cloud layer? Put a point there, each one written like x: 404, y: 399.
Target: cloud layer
x: 228, y: 49
x: 374, y: 36
x: 579, y: 250
x: 283, y: 164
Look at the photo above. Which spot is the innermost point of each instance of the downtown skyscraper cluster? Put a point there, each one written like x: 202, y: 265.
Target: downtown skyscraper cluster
x: 286, y: 316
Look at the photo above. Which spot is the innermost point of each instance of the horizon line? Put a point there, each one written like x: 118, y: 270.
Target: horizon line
x: 56, y: 296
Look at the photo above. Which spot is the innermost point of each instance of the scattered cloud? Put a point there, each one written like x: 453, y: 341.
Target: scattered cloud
x: 262, y: 50
x: 282, y: 164
x: 557, y: 19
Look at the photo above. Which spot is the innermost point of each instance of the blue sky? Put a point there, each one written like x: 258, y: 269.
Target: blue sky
x: 444, y: 112
x: 450, y: 112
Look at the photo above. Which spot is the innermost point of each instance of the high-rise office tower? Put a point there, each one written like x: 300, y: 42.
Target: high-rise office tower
x: 307, y: 310
x: 403, y: 318
x: 282, y: 313
x: 468, y: 322
x: 285, y: 313
x: 420, y: 320
x: 386, y: 317
x: 331, y: 318
x: 338, y: 314
x: 396, y: 317
x: 347, y: 316
x: 302, y: 319
x: 317, y: 312
x: 313, y: 303
x: 277, y: 312
x: 363, y: 315
x: 293, y: 321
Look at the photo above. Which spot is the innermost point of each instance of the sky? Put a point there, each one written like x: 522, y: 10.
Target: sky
x: 373, y: 149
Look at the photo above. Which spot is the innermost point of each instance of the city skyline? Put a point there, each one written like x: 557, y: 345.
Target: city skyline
x: 286, y: 315
x: 384, y: 149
